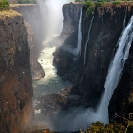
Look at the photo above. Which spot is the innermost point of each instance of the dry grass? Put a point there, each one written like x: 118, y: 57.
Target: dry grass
x: 9, y: 13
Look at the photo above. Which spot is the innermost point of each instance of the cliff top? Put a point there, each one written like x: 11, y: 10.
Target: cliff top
x: 17, y: 5
x: 9, y: 13
x: 108, y: 4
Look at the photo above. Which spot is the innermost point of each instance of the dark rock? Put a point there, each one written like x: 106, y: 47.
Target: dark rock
x: 36, y: 68
x: 15, y: 79
x: 71, y: 13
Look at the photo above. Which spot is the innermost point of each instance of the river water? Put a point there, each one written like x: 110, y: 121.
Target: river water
x: 51, y: 83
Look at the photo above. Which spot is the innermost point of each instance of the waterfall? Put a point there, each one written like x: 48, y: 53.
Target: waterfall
x: 79, y: 35
x: 115, y: 70
x: 124, y: 22
x: 88, y: 37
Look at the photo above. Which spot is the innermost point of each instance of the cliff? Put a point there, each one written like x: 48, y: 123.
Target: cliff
x: 15, y: 80
x: 36, y: 69
x: 34, y: 15
x: 105, y: 25
x: 71, y: 13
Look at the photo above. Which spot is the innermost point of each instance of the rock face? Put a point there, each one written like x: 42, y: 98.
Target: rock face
x: 121, y: 102
x: 15, y: 80
x: 107, y: 25
x: 63, y: 60
x: 71, y: 13
x: 106, y: 28
x: 36, y: 69
x: 33, y: 14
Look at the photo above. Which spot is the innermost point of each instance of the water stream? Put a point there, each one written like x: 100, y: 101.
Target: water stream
x: 88, y: 37
x: 51, y: 83
x: 79, y: 35
x: 115, y: 69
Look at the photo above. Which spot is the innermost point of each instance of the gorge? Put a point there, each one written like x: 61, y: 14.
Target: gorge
x: 92, y: 55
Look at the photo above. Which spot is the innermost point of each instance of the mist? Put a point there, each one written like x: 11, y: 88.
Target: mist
x: 54, y: 16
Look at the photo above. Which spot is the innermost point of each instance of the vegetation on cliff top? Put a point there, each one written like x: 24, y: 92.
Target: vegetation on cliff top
x: 4, y: 4
x: 92, y: 4
x: 9, y: 13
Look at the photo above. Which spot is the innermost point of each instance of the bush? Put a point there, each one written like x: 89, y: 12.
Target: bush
x: 90, y: 9
x: 4, y: 4
x: 88, y: 3
x: 99, y: 4
x: 115, y: 2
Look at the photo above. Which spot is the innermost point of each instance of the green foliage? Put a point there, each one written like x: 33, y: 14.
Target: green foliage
x: 78, y: 1
x: 115, y: 2
x: 109, y: 128
x: 90, y: 6
x: 126, y: 127
x: 99, y: 4
x: 90, y: 9
x: 26, y: 2
x: 4, y: 4
x: 87, y: 3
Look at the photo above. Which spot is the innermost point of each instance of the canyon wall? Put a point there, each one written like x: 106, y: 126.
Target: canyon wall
x: 71, y: 13
x: 121, y: 103
x: 36, y: 68
x: 106, y: 24
x: 15, y: 81
x: 35, y: 21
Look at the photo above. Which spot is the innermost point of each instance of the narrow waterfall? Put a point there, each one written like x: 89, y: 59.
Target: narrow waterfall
x: 88, y: 37
x: 124, y: 22
x: 115, y: 69
x: 79, y: 35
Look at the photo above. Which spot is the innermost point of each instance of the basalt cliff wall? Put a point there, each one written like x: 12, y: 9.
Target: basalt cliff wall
x: 71, y: 13
x: 35, y: 21
x: 106, y: 24
x: 15, y: 80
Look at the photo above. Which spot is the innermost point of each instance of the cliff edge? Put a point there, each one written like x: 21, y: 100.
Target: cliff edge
x: 15, y: 80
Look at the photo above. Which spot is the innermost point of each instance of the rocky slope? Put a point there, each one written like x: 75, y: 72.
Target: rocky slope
x: 15, y: 80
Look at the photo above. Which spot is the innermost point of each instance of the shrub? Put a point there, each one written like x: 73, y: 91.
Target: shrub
x: 88, y: 3
x: 4, y: 4
x: 115, y: 2
x: 99, y: 4
x: 90, y: 9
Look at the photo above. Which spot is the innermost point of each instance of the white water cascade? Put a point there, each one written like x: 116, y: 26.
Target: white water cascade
x: 79, y: 35
x: 78, y: 117
x: 115, y: 69
x: 88, y: 37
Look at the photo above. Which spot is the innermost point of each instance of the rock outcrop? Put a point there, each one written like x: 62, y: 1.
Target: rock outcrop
x: 36, y: 69
x: 15, y: 80
x: 34, y: 15
x: 71, y: 13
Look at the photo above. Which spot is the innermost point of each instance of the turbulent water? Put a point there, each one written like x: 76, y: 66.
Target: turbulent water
x: 88, y: 37
x: 115, y: 69
x: 51, y: 83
